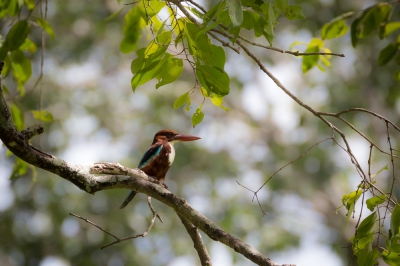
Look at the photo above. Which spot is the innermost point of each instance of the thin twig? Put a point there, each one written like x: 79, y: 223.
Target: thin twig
x: 296, y: 53
x: 117, y: 239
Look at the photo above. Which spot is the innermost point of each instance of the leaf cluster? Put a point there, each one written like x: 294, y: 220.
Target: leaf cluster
x: 179, y: 39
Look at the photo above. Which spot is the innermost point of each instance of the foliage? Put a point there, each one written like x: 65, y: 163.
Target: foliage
x: 178, y: 42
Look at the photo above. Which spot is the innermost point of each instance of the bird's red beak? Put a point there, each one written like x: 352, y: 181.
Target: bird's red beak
x: 186, y: 137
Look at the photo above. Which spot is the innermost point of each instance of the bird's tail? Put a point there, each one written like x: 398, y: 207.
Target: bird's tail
x: 128, y: 199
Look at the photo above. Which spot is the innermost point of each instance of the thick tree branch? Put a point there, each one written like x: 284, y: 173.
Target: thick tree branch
x: 82, y: 177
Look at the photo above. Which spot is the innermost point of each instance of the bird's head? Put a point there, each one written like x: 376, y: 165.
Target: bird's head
x: 172, y: 136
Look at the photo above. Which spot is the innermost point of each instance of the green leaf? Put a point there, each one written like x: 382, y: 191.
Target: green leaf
x: 215, y: 79
x: 334, y: 29
x: 150, y: 8
x: 19, y: 169
x: 199, y: 44
x: 213, y: 12
x: 281, y: 5
x: 28, y: 45
x: 396, y: 75
x: 182, y: 100
x: 394, y: 244
x: 46, y: 26
x: 391, y: 258
x: 371, y: 19
x: 21, y: 66
x: 18, y: 117
x: 158, y: 46
x: 380, y: 171
x: 374, y: 201
x: 395, y: 220
x: 294, y: 12
x: 146, y: 74
x: 388, y: 53
x: 218, y: 100
x: 367, y: 257
x: 132, y: 26
x: 30, y: 4
x: 17, y: 35
x: 269, y: 28
x: 217, y: 58
x: 349, y: 201
x: 197, y: 117
x: 310, y: 61
x: 138, y: 63
x: 391, y: 27
x: 366, y: 225
x: 43, y: 115
x: 170, y: 72
x: 364, y: 236
x: 235, y: 12
x: 354, y: 37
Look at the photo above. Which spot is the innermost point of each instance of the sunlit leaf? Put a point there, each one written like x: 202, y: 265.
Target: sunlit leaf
x: 170, y: 72
x: 46, y: 26
x: 349, y: 201
x: 197, y: 117
x: 311, y: 60
x: 391, y: 27
x: 18, y: 117
x: 181, y: 100
x: 30, y: 4
x: 21, y: 66
x: 334, y: 29
x: 391, y: 258
x: 374, y: 201
x: 218, y: 100
x: 380, y: 171
x: 388, y: 53
x: 150, y: 8
x: 19, y: 169
x: 28, y: 45
x: 43, y: 115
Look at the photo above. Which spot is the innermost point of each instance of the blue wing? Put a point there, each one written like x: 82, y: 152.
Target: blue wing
x: 147, y: 157
x: 150, y: 154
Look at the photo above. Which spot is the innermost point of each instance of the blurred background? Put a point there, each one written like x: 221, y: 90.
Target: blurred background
x: 86, y: 87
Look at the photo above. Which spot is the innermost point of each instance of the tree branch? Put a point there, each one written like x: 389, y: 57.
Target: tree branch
x: 82, y: 176
x: 197, y: 241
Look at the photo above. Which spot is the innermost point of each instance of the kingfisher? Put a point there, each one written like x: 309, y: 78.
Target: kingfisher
x: 159, y: 157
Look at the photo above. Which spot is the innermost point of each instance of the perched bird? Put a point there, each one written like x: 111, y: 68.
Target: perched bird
x: 159, y: 157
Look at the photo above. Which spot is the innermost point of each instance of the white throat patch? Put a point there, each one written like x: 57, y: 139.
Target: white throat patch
x: 171, y: 156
